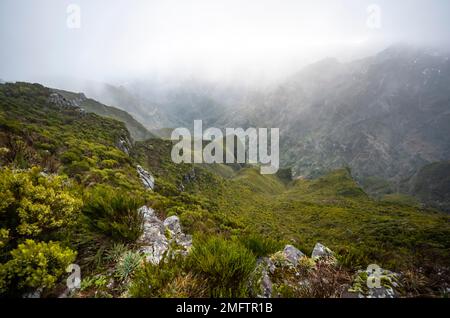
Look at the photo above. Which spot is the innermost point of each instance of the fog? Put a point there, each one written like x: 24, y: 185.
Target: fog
x: 247, y: 40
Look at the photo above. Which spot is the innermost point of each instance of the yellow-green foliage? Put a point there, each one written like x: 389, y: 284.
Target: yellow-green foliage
x: 114, y: 213
x: 34, y: 132
x: 332, y: 209
x: 225, y: 264
x: 4, y: 237
x: 35, y: 202
x: 34, y: 265
x: 153, y: 280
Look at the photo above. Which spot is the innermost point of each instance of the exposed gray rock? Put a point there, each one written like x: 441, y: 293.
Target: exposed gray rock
x: 124, y: 145
x: 382, y: 292
x: 375, y: 282
x: 34, y: 294
x: 154, y: 241
x: 266, y: 266
x: 388, y: 281
x: 292, y: 254
x: 146, y: 178
x: 320, y: 251
x: 184, y: 240
x: 266, y: 285
x: 61, y: 101
x: 79, y: 100
x: 172, y: 223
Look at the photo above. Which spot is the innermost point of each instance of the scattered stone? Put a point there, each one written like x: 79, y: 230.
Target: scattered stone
x: 34, y: 294
x: 320, y: 251
x: 146, y: 178
x: 382, y: 284
x: 292, y: 254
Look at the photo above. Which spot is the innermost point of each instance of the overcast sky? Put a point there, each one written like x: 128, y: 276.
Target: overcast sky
x: 127, y: 38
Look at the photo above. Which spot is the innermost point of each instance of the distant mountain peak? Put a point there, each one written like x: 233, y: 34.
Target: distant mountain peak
x: 403, y: 50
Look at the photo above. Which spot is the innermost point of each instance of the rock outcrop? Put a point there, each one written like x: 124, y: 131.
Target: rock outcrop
x: 64, y: 103
x: 124, y: 144
x: 162, y: 237
x: 321, y: 251
x: 147, y: 179
x: 292, y: 270
x: 292, y: 254
x: 265, y: 267
x: 154, y: 243
x: 375, y: 282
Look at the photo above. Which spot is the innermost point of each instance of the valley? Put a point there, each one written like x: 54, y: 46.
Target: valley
x: 60, y: 157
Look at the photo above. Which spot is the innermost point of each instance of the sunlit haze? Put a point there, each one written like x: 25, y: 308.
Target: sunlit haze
x: 128, y: 39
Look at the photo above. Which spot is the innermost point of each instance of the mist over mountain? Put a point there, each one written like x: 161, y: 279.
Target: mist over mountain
x: 71, y: 163
x: 352, y: 98
x: 384, y: 116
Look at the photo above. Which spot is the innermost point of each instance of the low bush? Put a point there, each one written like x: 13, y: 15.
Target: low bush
x: 34, y: 265
x: 226, y: 265
x: 115, y: 213
x: 32, y: 204
x: 115, y: 252
x: 259, y: 245
x: 127, y: 264
x: 151, y: 281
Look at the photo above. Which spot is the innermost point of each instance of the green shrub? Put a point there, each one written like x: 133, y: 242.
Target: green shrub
x: 127, y: 264
x: 115, y: 213
x: 260, y: 245
x: 4, y: 237
x: 99, y: 282
x: 34, y: 265
x: 152, y: 280
x: 225, y: 264
x: 33, y: 204
x: 115, y: 252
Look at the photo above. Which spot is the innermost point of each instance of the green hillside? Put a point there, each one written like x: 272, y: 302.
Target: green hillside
x: 431, y: 185
x: 333, y: 210
x: 69, y: 192
x: 137, y: 130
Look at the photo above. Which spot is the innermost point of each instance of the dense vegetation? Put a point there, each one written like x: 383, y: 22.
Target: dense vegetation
x: 137, y: 130
x: 69, y: 192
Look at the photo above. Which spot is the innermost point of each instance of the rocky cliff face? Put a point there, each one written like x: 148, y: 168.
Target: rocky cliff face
x: 384, y: 116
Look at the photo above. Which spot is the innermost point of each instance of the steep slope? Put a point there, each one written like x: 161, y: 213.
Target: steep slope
x: 431, y: 185
x: 385, y: 116
x: 332, y: 209
x: 230, y: 212
x: 39, y: 128
x: 137, y: 130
